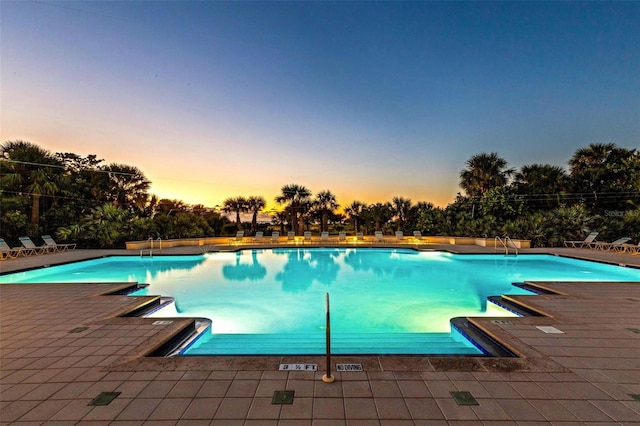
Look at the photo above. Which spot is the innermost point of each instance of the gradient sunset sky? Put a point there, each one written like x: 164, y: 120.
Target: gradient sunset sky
x: 367, y: 99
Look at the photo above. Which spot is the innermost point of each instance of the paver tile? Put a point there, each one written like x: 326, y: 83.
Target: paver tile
x: 242, y: 389
x: 170, y: 409
x: 360, y: 408
x: 424, y: 408
x: 392, y: 408
x: 328, y: 408
x: 301, y: 409
x: 233, y: 408
x: 356, y: 389
x: 202, y: 408
x: 262, y: 408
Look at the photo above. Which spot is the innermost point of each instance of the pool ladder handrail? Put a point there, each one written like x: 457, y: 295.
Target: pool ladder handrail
x: 505, y: 243
x: 150, y: 248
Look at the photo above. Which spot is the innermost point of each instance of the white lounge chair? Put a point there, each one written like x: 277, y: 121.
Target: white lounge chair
x: 629, y: 248
x: 359, y: 236
x: 307, y: 236
x: 609, y: 246
x: 7, y: 252
x: 48, y: 240
x: 258, y: 237
x: 275, y: 237
x: 291, y: 236
x: 342, y: 236
x: 324, y: 236
x: 417, y: 236
x: 399, y: 236
x: 379, y: 237
x: 581, y: 244
x: 239, y: 237
x: 28, y: 244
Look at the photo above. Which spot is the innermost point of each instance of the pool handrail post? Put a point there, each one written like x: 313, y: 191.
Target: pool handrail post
x: 328, y: 378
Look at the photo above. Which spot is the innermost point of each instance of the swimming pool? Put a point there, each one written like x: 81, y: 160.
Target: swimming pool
x: 383, y: 301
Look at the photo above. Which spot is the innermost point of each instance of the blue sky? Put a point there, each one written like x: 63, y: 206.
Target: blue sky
x: 367, y: 99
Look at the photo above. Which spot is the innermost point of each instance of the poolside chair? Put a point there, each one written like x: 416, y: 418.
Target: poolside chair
x: 629, y: 248
x: 57, y: 247
x: 581, y: 244
x: 239, y: 237
x: 7, y: 252
x: 324, y: 236
x: 28, y: 244
x: 291, y: 236
x: 399, y: 236
x: 359, y: 236
x: 275, y: 237
x: 609, y: 246
x: 342, y: 236
x: 417, y: 236
x: 258, y: 237
x: 307, y: 236
x: 379, y: 237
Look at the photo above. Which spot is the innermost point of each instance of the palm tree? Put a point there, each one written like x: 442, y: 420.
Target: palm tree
x: 354, y: 211
x: 401, y: 207
x: 128, y: 186
x: 237, y: 205
x: 483, y: 172
x: 31, y: 170
x: 296, y: 197
x: 600, y: 168
x: 255, y: 204
x: 542, y: 184
x: 279, y: 219
x: 107, y: 224
x: 326, y: 203
x: 379, y: 213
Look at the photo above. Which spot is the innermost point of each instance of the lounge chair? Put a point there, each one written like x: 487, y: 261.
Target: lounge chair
x: 359, y: 236
x: 379, y: 237
x: 291, y: 236
x: 7, y: 252
x: 239, y: 237
x: 581, y: 244
x: 307, y: 236
x: 609, y: 246
x: 28, y: 244
x: 629, y: 248
x: 417, y: 236
x: 342, y: 236
x: 399, y: 236
x: 275, y: 237
x: 57, y: 247
x: 258, y: 237
x: 324, y: 236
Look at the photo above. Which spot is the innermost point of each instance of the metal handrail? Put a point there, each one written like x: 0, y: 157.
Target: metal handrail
x: 505, y: 244
x: 509, y: 240
x: 150, y: 247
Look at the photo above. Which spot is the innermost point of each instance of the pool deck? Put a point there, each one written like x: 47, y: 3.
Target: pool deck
x: 61, y: 346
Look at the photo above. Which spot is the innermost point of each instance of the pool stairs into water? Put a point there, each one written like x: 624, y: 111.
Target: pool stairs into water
x: 341, y: 344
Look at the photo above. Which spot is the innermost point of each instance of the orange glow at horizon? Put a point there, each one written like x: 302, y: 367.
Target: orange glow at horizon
x: 201, y: 193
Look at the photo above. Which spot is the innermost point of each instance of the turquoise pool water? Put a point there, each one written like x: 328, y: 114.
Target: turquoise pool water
x: 383, y: 301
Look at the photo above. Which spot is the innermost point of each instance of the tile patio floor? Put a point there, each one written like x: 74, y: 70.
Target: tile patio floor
x: 63, y: 345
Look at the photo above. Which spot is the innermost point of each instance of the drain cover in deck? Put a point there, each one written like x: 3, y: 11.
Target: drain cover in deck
x: 282, y: 397
x: 104, y: 398
x: 464, y: 398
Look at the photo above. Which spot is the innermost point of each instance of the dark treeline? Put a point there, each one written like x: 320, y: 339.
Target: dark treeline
x: 85, y: 200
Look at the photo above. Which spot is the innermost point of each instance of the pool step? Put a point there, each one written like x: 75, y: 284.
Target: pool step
x: 342, y: 343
